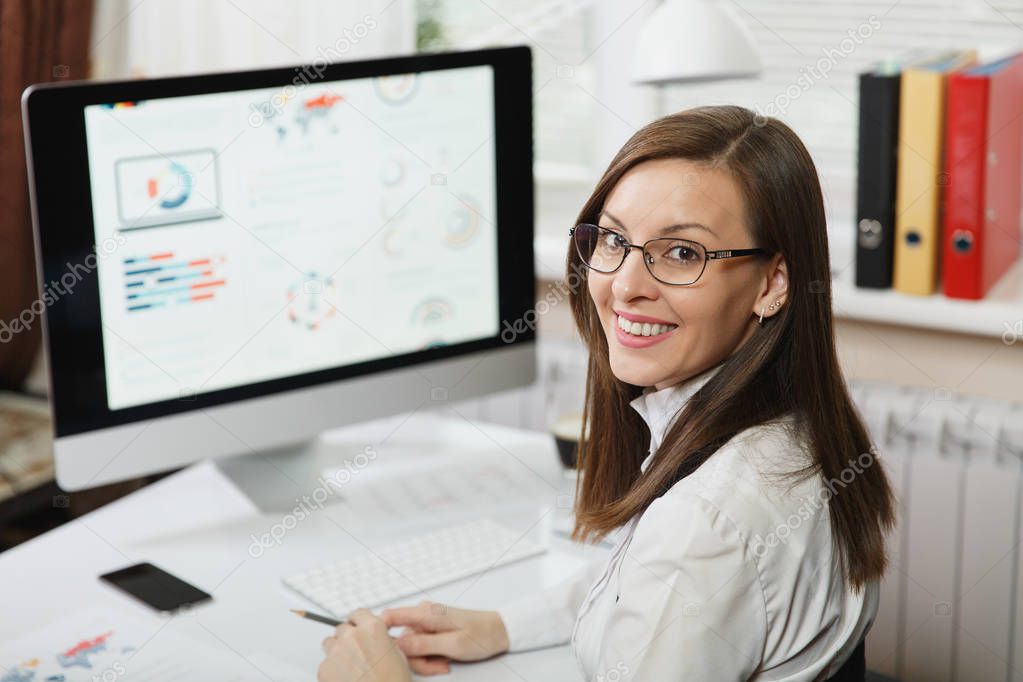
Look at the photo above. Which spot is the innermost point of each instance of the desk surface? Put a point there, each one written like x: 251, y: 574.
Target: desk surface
x: 198, y: 525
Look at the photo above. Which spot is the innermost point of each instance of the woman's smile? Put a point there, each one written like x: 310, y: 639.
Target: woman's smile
x: 640, y: 331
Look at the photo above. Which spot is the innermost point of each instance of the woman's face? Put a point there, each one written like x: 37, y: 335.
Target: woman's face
x: 707, y: 321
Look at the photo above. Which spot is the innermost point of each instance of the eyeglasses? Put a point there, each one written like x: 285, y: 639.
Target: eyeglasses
x: 668, y: 259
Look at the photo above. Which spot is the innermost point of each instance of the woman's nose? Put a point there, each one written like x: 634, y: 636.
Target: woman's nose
x: 633, y: 280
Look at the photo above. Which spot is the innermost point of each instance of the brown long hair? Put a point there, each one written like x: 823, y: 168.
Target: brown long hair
x: 788, y: 365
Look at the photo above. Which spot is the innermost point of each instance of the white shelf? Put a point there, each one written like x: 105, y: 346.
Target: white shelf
x: 1000, y: 312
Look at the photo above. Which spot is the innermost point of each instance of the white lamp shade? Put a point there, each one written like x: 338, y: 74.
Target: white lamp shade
x: 693, y: 40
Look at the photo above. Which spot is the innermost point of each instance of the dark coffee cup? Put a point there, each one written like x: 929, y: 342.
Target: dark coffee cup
x: 566, y: 432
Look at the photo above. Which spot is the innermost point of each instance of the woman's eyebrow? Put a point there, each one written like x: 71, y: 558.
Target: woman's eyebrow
x: 664, y: 230
x: 674, y: 228
x: 613, y: 219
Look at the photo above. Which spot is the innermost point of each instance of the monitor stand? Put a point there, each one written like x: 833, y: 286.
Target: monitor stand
x: 277, y: 480
x: 319, y: 470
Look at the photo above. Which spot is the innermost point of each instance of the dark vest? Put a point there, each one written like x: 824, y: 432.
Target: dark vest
x: 854, y: 669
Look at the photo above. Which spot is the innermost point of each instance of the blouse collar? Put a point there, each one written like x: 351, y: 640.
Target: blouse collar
x: 658, y: 408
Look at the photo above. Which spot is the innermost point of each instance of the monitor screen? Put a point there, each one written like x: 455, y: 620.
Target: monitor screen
x: 230, y: 240
x: 264, y: 233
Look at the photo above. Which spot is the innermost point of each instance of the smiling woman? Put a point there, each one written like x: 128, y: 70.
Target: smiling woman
x: 765, y: 323
x: 750, y: 342
x: 749, y: 537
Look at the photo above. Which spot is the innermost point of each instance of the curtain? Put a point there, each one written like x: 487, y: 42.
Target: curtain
x: 40, y: 40
x: 154, y: 39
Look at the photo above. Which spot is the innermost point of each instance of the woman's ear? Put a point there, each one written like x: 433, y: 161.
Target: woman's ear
x: 774, y: 288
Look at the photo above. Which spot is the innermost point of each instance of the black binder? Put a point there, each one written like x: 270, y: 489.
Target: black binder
x: 876, y: 172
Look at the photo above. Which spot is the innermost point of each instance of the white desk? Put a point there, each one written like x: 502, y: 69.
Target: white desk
x: 199, y: 526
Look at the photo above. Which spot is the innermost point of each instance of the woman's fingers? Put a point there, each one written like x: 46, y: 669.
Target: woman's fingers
x: 339, y: 632
x: 424, y: 616
x: 430, y: 665
x: 448, y: 644
x: 433, y: 629
x: 361, y: 649
x: 403, y: 615
x: 359, y: 617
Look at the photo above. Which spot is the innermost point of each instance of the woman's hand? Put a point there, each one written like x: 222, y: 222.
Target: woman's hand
x: 360, y: 649
x: 437, y: 634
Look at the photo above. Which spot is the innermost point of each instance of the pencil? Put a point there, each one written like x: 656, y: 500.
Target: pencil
x: 317, y: 617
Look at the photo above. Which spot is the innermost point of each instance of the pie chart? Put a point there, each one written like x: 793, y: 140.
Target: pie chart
x: 173, y: 186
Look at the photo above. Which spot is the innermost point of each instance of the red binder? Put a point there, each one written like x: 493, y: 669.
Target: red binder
x: 983, y: 143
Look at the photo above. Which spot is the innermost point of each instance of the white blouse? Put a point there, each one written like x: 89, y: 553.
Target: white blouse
x: 727, y: 576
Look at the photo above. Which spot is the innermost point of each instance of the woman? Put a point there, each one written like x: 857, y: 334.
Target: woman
x: 750, y: 536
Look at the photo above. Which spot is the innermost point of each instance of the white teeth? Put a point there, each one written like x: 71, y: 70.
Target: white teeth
x: 644, y: 328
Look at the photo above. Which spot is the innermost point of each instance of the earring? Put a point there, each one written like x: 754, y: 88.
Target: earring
x: 773, y: 306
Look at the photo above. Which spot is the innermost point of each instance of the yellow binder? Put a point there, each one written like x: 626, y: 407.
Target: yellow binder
x: 918, y: 185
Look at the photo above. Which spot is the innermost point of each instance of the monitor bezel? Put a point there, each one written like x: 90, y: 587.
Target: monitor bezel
x: 55, y: 141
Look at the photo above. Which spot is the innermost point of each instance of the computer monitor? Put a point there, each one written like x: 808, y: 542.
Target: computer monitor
x: 236, y: 262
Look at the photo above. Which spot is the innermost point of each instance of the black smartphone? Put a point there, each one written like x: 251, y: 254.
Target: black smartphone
x: 155, y: 587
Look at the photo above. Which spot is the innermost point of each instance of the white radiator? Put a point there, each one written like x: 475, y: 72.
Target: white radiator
x: 950, y: 601
x: 951, y: 609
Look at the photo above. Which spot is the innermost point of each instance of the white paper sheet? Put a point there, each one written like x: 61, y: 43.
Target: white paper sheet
x: 104, y: 645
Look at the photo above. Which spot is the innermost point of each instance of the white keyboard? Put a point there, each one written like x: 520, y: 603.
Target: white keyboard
x: 402, y: 569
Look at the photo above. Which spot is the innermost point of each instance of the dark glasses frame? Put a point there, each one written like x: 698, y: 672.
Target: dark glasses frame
x: 709, y: 255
